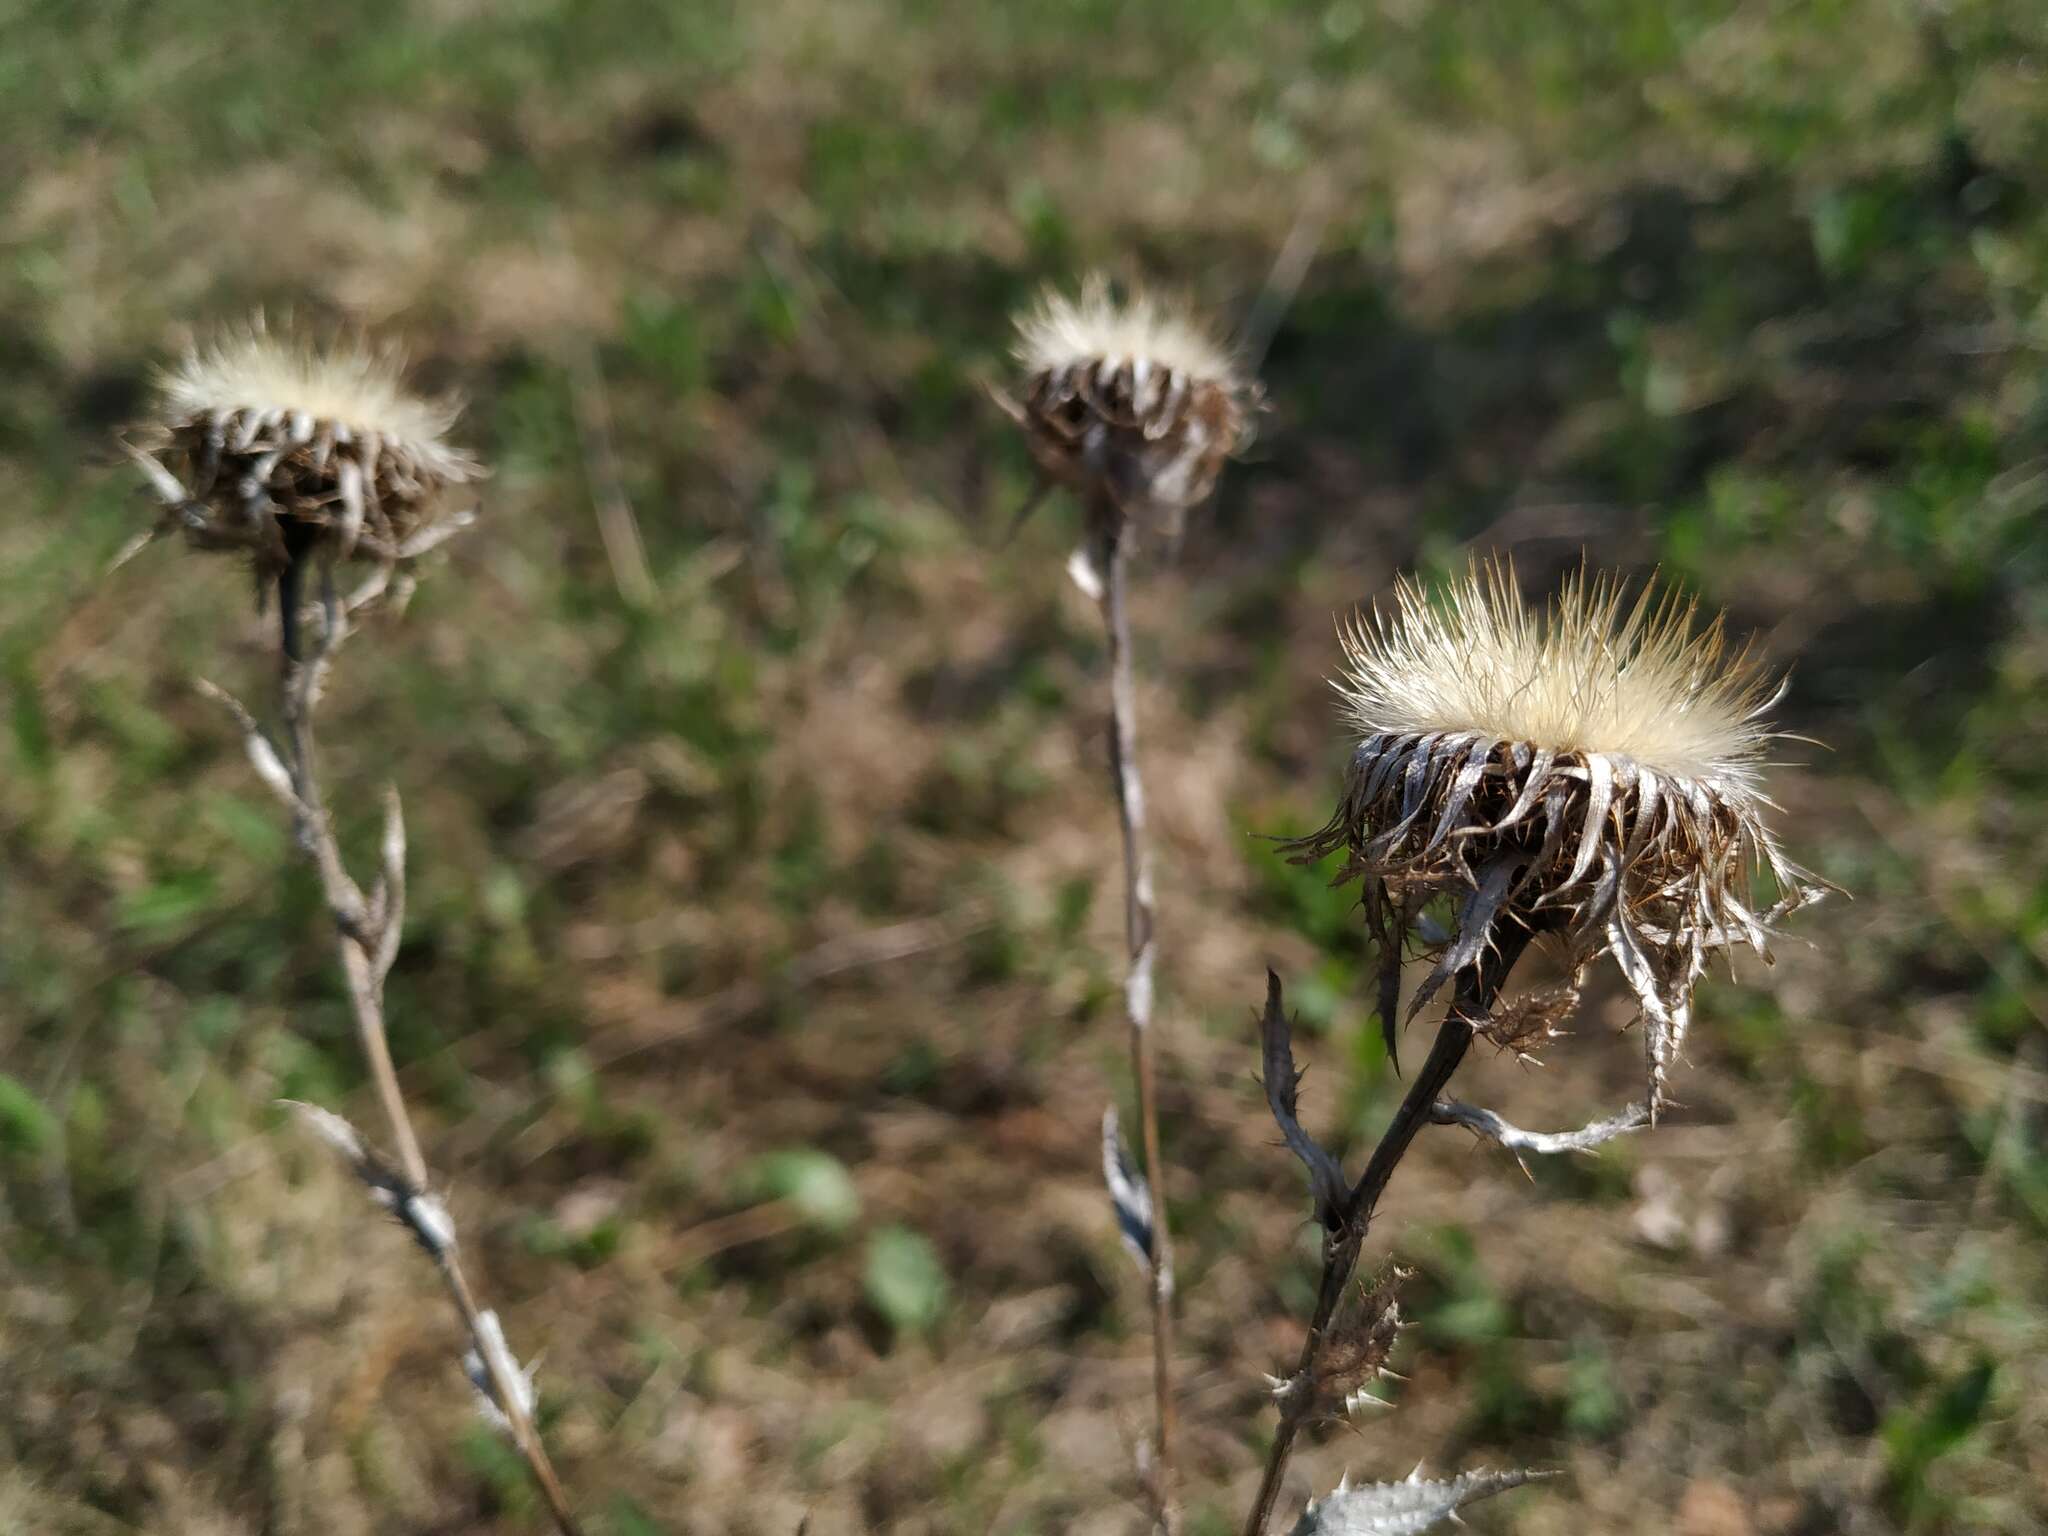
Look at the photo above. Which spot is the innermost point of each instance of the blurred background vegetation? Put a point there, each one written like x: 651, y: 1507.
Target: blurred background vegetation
x: 757, y: 999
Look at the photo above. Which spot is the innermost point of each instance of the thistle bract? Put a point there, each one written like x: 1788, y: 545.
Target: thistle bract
x: 1590, y: 770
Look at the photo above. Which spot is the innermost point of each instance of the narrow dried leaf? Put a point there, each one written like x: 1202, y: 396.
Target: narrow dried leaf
x: 339, y: 1135
x: 1128, y: 1192
x: 490, y: 1361
x: 270, y: 767
x: 166, y: 485
x: 1276, y: 1041
x: 1390, y: 1000
x: 429, y: 539
x: 1388, y: 917
x: 391, y: 882
x: 392, y: 850
x: 1388, y: 755
x: 386, y: 1185
x: 263, y: 756
x: 1085, y: 574
x: 1415, y: 779
x: 135, y: 545
x: 427, y: 1219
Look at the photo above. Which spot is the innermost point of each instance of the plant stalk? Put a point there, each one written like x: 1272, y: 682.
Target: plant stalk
x: 1139, y: 928
x: 366, y: 942
x: 1477, y: 990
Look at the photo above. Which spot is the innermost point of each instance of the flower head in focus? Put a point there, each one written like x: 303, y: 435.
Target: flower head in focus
x: 1590, y: 770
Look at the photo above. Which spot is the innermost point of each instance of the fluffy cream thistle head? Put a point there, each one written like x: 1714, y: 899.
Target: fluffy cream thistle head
x: 1589, y: 769
x: 1133, y: 405
x: 269, y: 446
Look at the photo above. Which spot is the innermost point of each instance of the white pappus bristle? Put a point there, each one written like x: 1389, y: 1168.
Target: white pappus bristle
x: 1061, y: 332
x: 1591, y: 673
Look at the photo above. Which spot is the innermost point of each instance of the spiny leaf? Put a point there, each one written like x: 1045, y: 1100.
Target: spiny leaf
x: 1325, y: 1177
x: 1404, y: 1508
x: 1484, y: 1122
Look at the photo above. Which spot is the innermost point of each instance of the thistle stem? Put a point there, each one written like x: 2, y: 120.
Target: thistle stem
x: 299, y: 538
x: 1473, y: 1000
x: 1113, y: 558
x: 365, y: 940
x: 301, y: 680
x: 288, y: 583
x: 525, y: 1433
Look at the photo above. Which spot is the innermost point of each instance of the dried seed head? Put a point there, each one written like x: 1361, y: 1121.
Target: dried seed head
x: 1134, y: 406
x: 272, y: 448
x: 1529, y: 1021
x: 1591, y: 769
x: 1353, y: 1356
x: 1360, y: 1345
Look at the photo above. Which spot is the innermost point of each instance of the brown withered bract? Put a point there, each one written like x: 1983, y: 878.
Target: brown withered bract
x: 273, y: 449
x: 1591, y: 771
x: 1133, y: 406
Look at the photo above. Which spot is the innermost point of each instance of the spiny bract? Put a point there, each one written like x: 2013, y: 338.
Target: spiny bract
x: 1590, y: 769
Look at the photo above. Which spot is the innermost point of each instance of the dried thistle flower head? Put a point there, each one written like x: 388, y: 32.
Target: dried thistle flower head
x: 1590, y: 769
x: 1339, y: 1382
x: 274, y: 448
x: 1526, y: 1023
x: 1133, y: 405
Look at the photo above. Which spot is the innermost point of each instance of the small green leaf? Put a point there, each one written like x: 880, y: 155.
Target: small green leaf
x: 815, y: 1182
x: 1916, y: 1440
x: 31, y: 725
x: 905, y: 1281
x: 25, y: 1124
x: 170, y: 903
x: 1071, y: 906
x: 1594, y: 1407
x: 629, y: 1519
x: 252, y: 825
x: 492, y: 1457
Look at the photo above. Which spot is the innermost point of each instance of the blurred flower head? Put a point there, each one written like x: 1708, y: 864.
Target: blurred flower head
x: 1590, y: 769
x: 1133, y: 405
x: 273, y: 448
